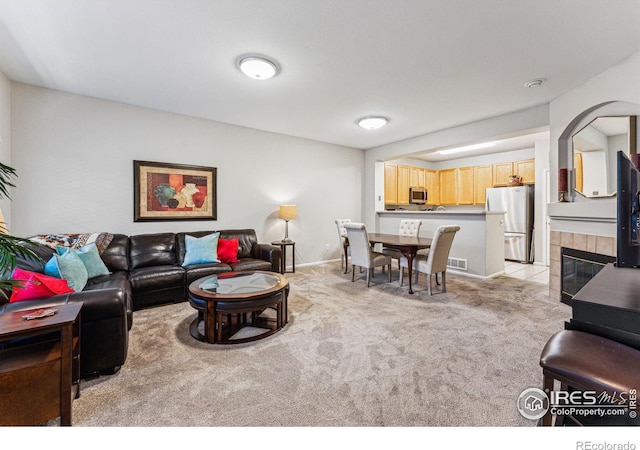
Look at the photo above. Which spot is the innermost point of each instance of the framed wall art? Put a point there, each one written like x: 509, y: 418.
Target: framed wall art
x: 165, y: 191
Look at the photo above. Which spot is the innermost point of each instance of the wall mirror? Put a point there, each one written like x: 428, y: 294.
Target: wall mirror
x: 594, y: 153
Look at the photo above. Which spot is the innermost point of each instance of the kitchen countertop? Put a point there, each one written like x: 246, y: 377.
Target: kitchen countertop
x: 478, y: 248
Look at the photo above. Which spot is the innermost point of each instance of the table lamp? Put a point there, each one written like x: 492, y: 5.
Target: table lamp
x: 287, y: 213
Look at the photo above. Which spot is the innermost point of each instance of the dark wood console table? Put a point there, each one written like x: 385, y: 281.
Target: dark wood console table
x: 609, y: 306
x: 39, y: 366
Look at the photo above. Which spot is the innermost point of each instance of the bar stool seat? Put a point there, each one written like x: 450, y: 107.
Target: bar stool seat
x: 586, y: 361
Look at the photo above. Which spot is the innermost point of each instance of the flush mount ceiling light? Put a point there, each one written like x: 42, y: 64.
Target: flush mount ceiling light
x: 467, y: 148
x: 257, y: 67
x: 534, y: 83
x: 372, y: 122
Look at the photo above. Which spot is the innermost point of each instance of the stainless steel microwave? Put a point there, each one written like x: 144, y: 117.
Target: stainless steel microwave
x: 417, y: 195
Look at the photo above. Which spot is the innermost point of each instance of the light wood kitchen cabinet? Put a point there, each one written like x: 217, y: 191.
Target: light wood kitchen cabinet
x: 417, y: 177
x: 526, y: 170
x: 502, y: 172
x: 482, y: 179
x: 390, y: 184
x: 457, y: 186
x: 465, y: 185
x: 577, y: 165
x: 431, y: 184
x: 448, y: 186
x: 404, y: 178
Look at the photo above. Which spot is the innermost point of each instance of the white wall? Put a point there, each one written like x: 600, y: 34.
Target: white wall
x: 615, y: 144
x: 5, y: 136
x: 615, y: 91
x: 595, y: 164
x: 74, y: 156
x: 541, y: 192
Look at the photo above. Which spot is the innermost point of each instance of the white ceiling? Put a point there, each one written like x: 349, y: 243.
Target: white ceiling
x: 521, y: 142
x: 428, y: 65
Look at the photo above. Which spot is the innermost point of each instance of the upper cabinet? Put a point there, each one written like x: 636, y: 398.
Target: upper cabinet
x: 526, y: 170
x: 416, y: 177
x: 457, y: 186
x: 432, y: 185
x: 390, y: 184
x: 404, y: 179
x: 482, y: 179
x: 448, y: 186
x: 577, y: 167
x: 465, y: 185
x: 502, y: 172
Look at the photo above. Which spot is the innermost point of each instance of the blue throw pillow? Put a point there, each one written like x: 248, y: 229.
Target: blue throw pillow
x: 201, y: 250
x: 68, y: 267
x: 90, y: 257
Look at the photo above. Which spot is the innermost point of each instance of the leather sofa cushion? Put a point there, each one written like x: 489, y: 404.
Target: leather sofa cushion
x: 246, y: 240
x: 116, y: 280
x: 156, y: 277
x: 203, y: 270
x: 251, y: 264
x: 116, y: 255
x: 152, y: 250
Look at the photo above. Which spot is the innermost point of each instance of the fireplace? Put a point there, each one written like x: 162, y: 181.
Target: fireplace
x: 577, y: 268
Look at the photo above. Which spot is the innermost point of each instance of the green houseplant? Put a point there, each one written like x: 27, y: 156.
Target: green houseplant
x: 10, y: 248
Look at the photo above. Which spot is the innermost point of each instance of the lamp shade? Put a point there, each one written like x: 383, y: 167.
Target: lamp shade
x: 288, y: 212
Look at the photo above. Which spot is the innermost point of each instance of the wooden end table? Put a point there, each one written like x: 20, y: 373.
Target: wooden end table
x: 283, y: 262
x: 39, y: 366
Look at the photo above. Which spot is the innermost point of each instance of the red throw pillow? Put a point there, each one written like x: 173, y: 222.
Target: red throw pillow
x: 228, y: 250
x: 36, y: 285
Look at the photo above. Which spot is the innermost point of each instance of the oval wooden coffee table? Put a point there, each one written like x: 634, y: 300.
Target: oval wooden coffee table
x: 230, y: 301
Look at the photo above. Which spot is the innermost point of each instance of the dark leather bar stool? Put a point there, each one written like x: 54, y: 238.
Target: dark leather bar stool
x: 588, y: 362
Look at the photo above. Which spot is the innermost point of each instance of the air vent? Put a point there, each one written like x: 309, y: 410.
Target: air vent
x: 457, y: 263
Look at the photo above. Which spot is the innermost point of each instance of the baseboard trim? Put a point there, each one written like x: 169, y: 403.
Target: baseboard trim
x: 457, y: 272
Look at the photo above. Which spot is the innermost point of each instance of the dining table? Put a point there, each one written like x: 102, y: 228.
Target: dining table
x: 407, y: 245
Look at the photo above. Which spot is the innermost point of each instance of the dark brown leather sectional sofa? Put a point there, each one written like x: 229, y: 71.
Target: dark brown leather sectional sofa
x: 146, y: 270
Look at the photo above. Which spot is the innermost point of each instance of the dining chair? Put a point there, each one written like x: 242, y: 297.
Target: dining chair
x: 407, y: 228
x: 362, y: 255
x: 436, y: 260
x: 344, y: 242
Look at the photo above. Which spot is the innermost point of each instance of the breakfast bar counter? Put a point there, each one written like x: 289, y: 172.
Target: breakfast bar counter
x: 478, y: 248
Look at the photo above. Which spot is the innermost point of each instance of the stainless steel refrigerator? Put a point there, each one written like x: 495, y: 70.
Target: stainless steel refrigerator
x: 517, y: 202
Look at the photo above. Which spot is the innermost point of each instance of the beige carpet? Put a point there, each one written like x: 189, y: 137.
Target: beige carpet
x: 350, y: 356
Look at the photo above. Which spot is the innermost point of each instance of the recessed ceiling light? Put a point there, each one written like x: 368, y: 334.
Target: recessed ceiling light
x: 257, y: 67
x: 534, y: 83
x: 372, y: 122
x: 467, y: 148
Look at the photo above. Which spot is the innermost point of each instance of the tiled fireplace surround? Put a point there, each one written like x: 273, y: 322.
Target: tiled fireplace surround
x: 586, y: 242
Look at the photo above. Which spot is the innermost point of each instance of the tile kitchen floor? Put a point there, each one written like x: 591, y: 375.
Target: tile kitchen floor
x: 529, y: 272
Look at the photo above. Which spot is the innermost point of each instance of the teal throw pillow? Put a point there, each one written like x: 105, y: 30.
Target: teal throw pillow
x: 90, y: 257
x: 68, y: 267
x: 201, y: 250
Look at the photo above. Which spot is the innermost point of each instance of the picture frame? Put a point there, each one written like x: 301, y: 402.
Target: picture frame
x: 168, y: 192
